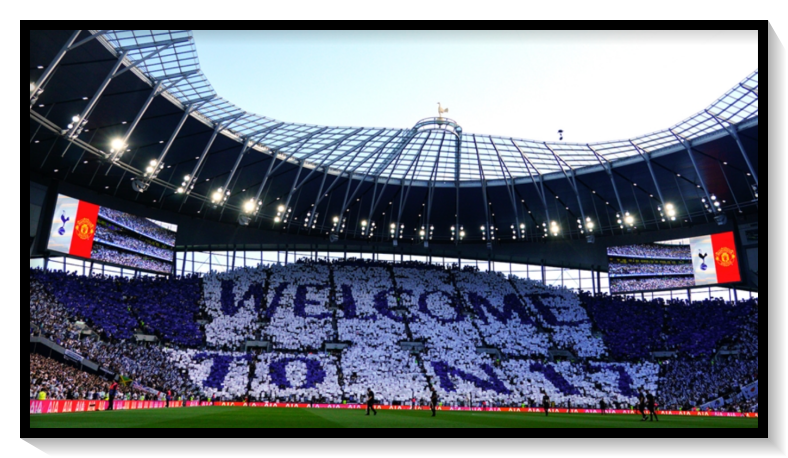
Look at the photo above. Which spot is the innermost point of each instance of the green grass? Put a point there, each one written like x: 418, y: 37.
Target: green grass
x: 239, y: 417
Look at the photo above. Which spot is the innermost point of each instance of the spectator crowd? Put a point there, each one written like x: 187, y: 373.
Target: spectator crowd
x: 105, y: 254
x: 650, y: 269
x: 110, y: 235
x: 654, y: 250
x: 139, y: 225
x: 334, y: 330
x: 627, y: 285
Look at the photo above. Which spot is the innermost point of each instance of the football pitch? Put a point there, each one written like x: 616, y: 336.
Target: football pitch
x: 240, y: 417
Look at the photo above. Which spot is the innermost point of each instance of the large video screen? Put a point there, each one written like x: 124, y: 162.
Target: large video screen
x: 700, y: 261
x: 88, y: 231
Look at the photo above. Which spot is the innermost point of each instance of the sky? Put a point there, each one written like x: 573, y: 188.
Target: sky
x: 595, y: 86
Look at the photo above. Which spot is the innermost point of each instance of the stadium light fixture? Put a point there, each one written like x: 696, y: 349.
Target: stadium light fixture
x: 669, y: 212
x: 555, y: 229
x: 589, y: 224
x: 249, y: 206
x: 755, y: 191
x: 713, y: 205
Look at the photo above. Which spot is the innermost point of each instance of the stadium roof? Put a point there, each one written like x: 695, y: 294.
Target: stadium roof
x: 405, y: 154
x: 146, y: 89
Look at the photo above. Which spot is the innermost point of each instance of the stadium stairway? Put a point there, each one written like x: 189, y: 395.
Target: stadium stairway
x: 537, y: 324
x: 406, y: 321
x: 264, y: 301
x: 467, y: 306
x: 332, y: 304
x: 398, y: 296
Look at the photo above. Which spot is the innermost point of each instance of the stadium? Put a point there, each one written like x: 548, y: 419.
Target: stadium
x: 197, y: 265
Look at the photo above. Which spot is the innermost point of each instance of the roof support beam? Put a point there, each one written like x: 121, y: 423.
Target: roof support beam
x: 200, y: 101
x: 178, y: 77
x: 320, y: 195
x: 734, y: 132
x: 375, y: 197
x: 640, y: 210
x: 301, y: 140
x: 263, y: 133
x: 175, y: 133
x: 336, y: 144
x: 688, y: 146
x: 98, y: 34
x: 678, y: 186
x: 78, y: 126
x: 395, y: 154
x: 192, y: 181
x: 145, y: 58
x: 272, y: 169
x: 609, y: 169
x: 405, y: 191
x: 753, y: 90
x: 490, y: 233
x: 145, y: 106
x: 647, y: 157
x: 303, y: 160
x: 431, y: 192
x: 538, y: 181
x: 38, y: 88
x: 155, y: 44
x: 248, y: 142
x: 573, y: 183
x: 457, y: 168
x: 725, y: 175
x: 510, y: 189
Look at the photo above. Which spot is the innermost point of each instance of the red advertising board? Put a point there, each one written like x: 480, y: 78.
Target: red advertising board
x: 42, y: 407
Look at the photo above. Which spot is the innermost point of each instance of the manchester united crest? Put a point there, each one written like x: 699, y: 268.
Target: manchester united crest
x: 725, y: 257
x: 85, y: 228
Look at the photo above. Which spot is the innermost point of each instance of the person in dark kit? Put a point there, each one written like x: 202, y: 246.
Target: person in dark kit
x: 642, y: 406
x: 652, y: 406
x: 371, y: 402
x: 546, y: 405
x: 113, y: 391
x: 434, y: 401
x: 602, y: 406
